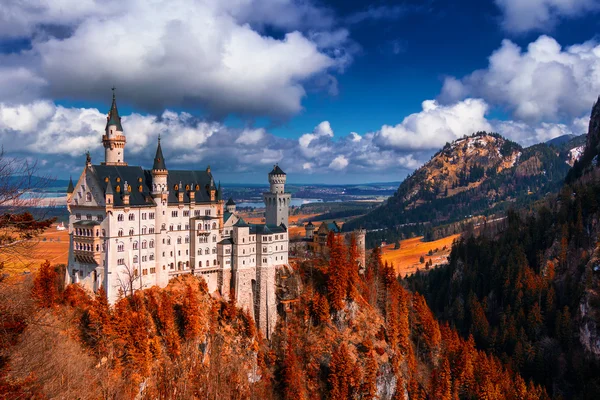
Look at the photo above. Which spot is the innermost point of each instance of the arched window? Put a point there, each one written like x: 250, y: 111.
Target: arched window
x: 135, y: 245
x: 200, y: 263
x: 120, y: 232
x: 103, y: 232
x: 214, y: 262
x: 199, y: 252
x: 152, y: 244
x: 171, y: 227
x: 144, y: 230
x: 88, y: 197
x: 120, y: 217
x: 207, y: 251
x: 187, y: 239
x: 131, y: 232
x: 151, y: 229
x: 214, y: 226
x: 135, y: 259
x: 151, y: 257
x: 132, y: 217
x: 214, y: 239
x: 179, y: 240
x: 120, y: 247
x: 169, y: 240
x: 144, y: 244
x: 214, y: 250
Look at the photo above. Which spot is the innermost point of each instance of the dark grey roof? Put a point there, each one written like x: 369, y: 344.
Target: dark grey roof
x: 226, y: 241
x: 309, y: 223
x: 219, y: 192
x: 159, y: 160
x: 265, y: 229
x: 70, y: 188
x: 276, y: 170
x: 113, y: 115
x: 241, y: 223
x: 204, y: 218
x: 230, y: 202
x: 226, y: 216
x: 137, y: 178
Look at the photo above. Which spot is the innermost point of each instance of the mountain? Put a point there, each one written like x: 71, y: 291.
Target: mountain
x: 529, y: 294
x: 559, y: 141
x: 481, y: 174
x: 570, y: 147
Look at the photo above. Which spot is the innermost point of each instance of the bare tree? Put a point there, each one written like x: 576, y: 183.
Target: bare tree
x: 20, y: 199
x: 128, y: 276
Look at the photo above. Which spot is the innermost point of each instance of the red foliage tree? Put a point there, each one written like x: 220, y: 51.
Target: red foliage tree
x: 45, y: 285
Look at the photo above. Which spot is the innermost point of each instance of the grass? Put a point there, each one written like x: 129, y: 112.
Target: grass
x: 55, y: 248
x: 406, y: 260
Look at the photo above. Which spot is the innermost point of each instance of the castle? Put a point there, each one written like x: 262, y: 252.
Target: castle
x: 132, y: 228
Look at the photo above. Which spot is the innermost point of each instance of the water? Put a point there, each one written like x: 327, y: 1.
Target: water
x: 294, y: 203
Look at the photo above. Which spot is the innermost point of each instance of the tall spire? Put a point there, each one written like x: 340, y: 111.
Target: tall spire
x: 159, y: 160
x: 70, y: 188
x: 113, y: 117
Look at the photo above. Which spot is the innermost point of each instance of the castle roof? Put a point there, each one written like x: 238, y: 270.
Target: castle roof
x: 159, y: 160
x: 276, y: 170
x: 310, y: 224
x: 230, y: 202
x: 70, y: 188
x: 241, y: 223
x: 113, y: 117
x: 267, y: 229
x: 109, y: 177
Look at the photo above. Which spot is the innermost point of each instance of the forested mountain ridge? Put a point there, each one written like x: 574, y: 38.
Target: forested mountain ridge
x: 531, y: 294
x: 477, y: 175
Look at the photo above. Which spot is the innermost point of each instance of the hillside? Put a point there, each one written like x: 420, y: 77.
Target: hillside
x: 477, y: 175
x: 345, y: 337
x: 530, y: 294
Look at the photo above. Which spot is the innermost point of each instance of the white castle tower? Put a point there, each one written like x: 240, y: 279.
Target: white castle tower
x: 277, y: 202
x: 113, y: 138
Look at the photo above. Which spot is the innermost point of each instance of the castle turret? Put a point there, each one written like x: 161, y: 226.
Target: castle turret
x: 277, y: 202
x: 310, y: 230
x: 70, y: 190
x: 230, y: 206
x: 113, y: 138
x: 160, y: 194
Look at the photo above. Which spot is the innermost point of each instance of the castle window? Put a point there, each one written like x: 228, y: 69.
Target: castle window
x: 88, y: 197
x: 151, y: 257
x: 99, y: 218
x: 144, y: 272
x: 120, y: 247
x: 121, y: 261
x: 171, y: 227
x: 196, y: 213
x: 120, y: 232
x: 151, y: 215
x: 131, y: 232
x: 143, y: 216
x: 227, y: 251
x: 179, y: 227
x: 187, y: 227
x: 264, y: 249
x: 144, y: 244
x: 207, y: 251
x: 135, y: 245
x: 151, y: 229
x: 169, y: 240
x: 214, y: 225
x: 77, y: 216
x: 178, y: 252
x: 214, y: 262
x: 214, y: 250
x: 199, y: 252
x: 207, y: 212
x: 187, y: 239
x: 103, y: 232
x: 120, y: 217
x: 173, y: 213
x: 132, y: 217
x: 171, y: 254
x: 135, y: 259
x: 186, y: 213
x: 179, y: 240
x: 89, y: 217
x: 152, y: 244
x: 144, y: 230
x: 214, y: 239
x: 200, y: 264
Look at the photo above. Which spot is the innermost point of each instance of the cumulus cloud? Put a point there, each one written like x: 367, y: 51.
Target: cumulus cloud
x: 545, y: 82
x: 339, y: 163
x: 207, y: 53
x: 520, y: 16
x: 435, y: 125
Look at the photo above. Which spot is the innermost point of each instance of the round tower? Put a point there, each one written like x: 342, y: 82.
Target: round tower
x: 160, y: 194
x: 310, y: 230
x: 277, y: 201
x: 230, y: 206
x: 113, y: 139
x: 277, y: 180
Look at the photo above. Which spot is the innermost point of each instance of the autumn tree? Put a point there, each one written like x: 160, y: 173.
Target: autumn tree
x: 46, y: 285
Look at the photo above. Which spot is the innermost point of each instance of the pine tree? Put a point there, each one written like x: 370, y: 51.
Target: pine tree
x: 45, y: 285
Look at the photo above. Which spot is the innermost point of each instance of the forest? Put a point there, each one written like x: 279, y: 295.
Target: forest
x: 350, y: 335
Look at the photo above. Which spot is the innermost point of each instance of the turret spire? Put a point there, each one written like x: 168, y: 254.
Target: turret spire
x: 70, y: 188
x: 159, y: 160
x: 113, y: 117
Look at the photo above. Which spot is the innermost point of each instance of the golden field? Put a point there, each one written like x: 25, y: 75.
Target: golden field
x: 406, y: 259
x: 55, y: 248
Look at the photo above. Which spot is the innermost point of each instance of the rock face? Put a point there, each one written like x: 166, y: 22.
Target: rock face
x: 593, y: 137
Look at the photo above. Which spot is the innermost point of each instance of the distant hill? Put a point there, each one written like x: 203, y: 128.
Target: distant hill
x: 477, y: 175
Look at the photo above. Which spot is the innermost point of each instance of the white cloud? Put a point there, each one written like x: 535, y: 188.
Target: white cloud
x: 206, y: 53
x: 251, y: 136
x: 435, y: 125
x: 355, y: 137
x: 545, y: 82
x: 339, y: 163
x: 520, y: 16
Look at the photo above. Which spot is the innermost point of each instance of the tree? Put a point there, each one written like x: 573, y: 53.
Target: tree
x: 18, y: 226
x: 45, y: 285
x: 340, y: 374
x: 422, y: 259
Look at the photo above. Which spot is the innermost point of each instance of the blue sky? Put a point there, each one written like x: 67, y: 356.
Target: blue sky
x: 333, y: 91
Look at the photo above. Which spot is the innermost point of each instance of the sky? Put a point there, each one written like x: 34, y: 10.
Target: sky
x: 333, y: 91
